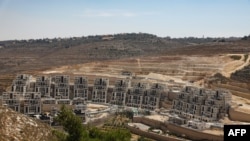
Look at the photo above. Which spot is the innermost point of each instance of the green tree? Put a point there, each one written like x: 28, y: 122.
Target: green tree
x: 71, y: 124
x: 76, y: 132
x: 95, y: 133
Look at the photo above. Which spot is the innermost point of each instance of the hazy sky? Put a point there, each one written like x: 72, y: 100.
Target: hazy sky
x: 25, y: 19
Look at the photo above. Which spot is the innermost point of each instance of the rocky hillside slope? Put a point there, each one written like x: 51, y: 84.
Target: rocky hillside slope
x: 32, y: 56
x: 18, y: 127
x: 17, y: 56
x: 242, y: 75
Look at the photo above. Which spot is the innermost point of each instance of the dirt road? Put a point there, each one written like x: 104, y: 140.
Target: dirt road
x: 235, y: 65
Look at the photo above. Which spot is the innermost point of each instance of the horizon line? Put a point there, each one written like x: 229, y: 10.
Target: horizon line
x: 113, y: 34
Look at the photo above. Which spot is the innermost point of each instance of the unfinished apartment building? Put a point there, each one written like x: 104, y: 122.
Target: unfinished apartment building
x: 118, y: 96
x: 43, y: 85
x: 21, y: 83
x: 22, y: 97
x: 135, y: 96
x: 100, y: 90
x: 80, y: 96
x: 151, y: 98
x: 202, y: 104
x: 216, y: 105
x: 32, y: 103
x: 12, y: 100
x: 61, y: 88
x: 80, y: 90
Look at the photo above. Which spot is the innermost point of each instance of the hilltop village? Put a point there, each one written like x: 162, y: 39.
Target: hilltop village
x: 191, y: 106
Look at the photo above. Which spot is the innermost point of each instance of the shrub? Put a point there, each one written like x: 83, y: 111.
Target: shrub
x: 235, y: 57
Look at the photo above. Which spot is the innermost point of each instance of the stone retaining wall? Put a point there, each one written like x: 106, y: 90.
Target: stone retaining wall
x: 238, y: 115
x: 178, y: 130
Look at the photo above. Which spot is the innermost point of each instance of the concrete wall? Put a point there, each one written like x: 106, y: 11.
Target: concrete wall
x: 189, y: 133
x: 193, y: 134
x: 172, y: 95
x: 238, y: 115
x: 234, y: 90
x: 151, y: 135
x: 240, y: 94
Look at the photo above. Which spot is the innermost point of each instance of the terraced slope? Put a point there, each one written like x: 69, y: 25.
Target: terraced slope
x: 187, y: 68
x: 139, y: 53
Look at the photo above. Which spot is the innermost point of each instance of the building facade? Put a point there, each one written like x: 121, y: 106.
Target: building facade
x: 118, y: 96
x: 201, y: 104
x: 32, y: 103
x: 43, y: 85
x: 12, y: 100
x: 80, y: 90
x: 21, y: 83
x: 61, y: 86
x: 135, y: 95
x: 22, y: 97
x: 100, y: 90
x: 151, y: 97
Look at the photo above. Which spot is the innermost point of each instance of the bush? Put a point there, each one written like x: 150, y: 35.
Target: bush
x: 59, y: 135
x: 245, y: 57
x: 235, y: 57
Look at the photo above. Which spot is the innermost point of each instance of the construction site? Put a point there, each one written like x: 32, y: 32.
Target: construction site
x: 189, y: 91
x: 170, y: 102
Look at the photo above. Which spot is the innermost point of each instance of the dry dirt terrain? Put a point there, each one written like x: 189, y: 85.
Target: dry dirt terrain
x: 181, y: 68
x: 18, y: 127
x: 141, y: 53
x: 149, y: 57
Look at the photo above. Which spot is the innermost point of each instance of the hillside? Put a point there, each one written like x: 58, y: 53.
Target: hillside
x: 16, y: 56
x: 242, y: 75
x: 32, y: 56
x: 19, y: 127
x: 184, y: 60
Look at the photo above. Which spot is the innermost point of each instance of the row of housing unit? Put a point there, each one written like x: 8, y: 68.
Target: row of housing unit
x: 198, y: 104
x: 34, y: 96
x: 30, y: 95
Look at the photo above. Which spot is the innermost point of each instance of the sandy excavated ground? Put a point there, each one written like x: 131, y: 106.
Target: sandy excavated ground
x: 95, y: 107
x: 158, y: 117
x: 232, y: 66
x: 162, y: 68
x: 244, y: 104
x: 139, y: 125
x: 173, y: 67
x: 177, y: 68
x: 214, y: 131
x: 160, y: 77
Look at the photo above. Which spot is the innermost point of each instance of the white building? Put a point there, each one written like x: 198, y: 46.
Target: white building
x: 118, y: 96
x: 80, y: 89
x: 202, y: 104
x: 100, y: 90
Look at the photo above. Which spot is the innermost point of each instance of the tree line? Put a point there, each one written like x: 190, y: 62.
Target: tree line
x: 75, y: 131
